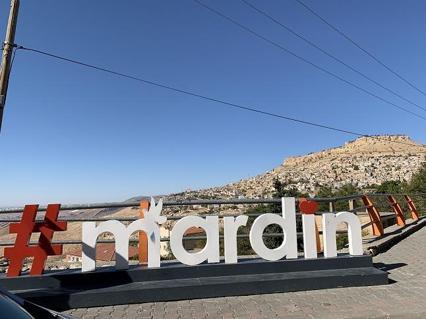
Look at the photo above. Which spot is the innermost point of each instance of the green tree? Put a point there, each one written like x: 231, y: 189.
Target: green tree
x: 280, y: 190
x: 324, y: 192
x: 283, y: 190
x: 346, y: 190
x: 391, y: 187
x: 327, y: 192
x: 417, y: 183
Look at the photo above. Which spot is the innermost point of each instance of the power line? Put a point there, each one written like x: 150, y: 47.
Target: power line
x: 361, y: 48
x: 262, y: 12
x: 204, y: 97
x: 171, y: 88
x: 279, y: 46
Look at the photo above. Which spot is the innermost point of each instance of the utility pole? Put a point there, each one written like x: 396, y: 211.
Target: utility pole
x: 6, y: 61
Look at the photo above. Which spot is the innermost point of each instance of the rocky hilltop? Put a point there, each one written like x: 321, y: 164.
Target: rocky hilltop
x: 363, y: 162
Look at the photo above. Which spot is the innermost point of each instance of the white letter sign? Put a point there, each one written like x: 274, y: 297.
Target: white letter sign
x: 210, y: 252
x: 287, y: 222
x: 149, y: 224
x: 329, y: 224
x: 231, y: 225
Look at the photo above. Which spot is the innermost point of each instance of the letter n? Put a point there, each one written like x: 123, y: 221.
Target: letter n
x: 329, y: 226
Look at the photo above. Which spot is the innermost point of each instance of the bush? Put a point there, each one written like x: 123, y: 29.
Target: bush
x: 391, y: 187
x: 345, y: 190
x: 417, y: 183
x: 341, y: 241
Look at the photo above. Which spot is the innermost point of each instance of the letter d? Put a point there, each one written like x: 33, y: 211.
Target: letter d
x: 288, y: 224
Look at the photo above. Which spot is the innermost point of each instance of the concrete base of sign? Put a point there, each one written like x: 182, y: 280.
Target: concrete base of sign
x: 174, y: 281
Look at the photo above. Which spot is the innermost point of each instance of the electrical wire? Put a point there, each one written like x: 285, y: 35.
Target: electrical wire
x: 375, y: 58
x: 204, y: 97
x: 265, y: 14
x: 279, y: 46
x: 164, y: 86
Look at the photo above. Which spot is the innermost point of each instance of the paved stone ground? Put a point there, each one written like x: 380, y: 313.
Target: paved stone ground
x: 405, y: 297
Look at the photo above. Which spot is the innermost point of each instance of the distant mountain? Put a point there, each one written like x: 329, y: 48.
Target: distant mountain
x: 136, y: 199
x: 363, y: 162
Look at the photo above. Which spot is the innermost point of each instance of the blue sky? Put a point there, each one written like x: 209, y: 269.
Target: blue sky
x: 73, y: 135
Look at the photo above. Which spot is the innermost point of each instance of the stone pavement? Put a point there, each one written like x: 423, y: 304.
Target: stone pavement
x: 404, y: 297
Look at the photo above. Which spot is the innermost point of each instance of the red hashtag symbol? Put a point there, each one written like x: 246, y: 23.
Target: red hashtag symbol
x: 44, y: 248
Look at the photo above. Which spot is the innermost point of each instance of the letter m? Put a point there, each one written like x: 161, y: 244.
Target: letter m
x: 121, y: 235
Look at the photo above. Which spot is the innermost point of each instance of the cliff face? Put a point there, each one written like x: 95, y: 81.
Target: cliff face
x: 362, y: 162
x: 365, y: 161
x: 378, y: 146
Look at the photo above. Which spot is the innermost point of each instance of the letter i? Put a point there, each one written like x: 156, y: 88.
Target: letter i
x: 309, y: 236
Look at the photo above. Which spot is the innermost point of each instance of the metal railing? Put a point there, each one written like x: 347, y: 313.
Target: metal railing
x: 359, y: 210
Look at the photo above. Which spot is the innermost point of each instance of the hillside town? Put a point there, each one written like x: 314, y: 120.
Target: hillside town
x: 364, y: 162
